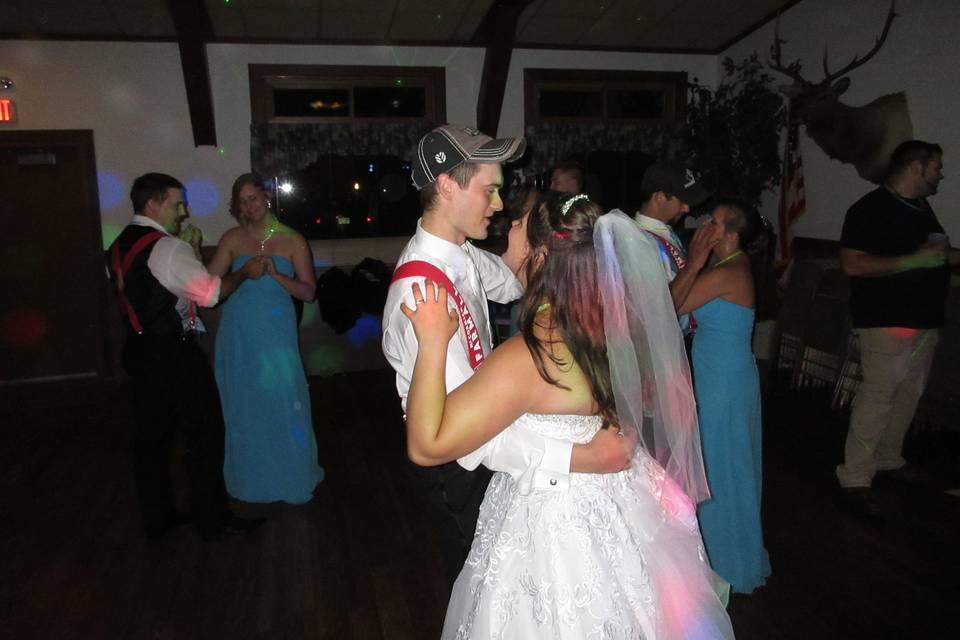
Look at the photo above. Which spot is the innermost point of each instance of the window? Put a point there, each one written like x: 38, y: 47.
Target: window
x: 321, y: 93
x: 335, y: 141
x: 587, y: 96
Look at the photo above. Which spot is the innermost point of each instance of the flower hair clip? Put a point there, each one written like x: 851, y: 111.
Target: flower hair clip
x: 569, y: 203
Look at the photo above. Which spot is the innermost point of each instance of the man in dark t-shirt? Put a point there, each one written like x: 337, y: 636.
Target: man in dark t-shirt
x: 894, y: 250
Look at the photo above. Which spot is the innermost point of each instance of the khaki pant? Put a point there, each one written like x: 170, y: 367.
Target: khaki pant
x: 896, y: 363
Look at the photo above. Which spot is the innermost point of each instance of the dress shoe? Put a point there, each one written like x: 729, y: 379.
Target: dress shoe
x: 908, y: 474
x: 861, y: 503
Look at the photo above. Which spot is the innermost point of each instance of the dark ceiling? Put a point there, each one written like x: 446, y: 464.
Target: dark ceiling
x: 694, y: 26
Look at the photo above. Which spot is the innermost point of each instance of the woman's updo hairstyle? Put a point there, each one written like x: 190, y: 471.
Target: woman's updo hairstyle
x: 562, y: 222
x: 745, y: 220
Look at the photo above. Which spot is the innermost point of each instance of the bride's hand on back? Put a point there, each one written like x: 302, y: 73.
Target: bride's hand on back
x: 433, y: 320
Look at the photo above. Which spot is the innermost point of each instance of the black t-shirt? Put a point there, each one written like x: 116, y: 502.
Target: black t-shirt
x: 883, y: 224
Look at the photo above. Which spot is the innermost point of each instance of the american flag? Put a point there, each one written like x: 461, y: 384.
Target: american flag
x: 792, y: 200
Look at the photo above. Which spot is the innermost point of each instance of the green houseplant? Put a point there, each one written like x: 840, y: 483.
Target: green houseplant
x: 731, y: 135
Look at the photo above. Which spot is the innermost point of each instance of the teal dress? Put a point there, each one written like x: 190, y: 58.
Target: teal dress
x: 728, y: 399
x: 271, y: 450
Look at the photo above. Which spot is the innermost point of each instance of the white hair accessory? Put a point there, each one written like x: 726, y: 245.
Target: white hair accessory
x: 569, y: 203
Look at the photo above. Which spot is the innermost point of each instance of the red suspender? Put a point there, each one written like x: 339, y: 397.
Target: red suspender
x: 419, y: 268
x: 120, y: 267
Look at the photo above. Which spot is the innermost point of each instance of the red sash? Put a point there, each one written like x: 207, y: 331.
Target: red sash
x: 675, y: 253
x: 677, y: 256
x: 419, y: 268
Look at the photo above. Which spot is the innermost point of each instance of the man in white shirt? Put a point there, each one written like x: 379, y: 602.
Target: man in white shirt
x: 160, y: 281
x: 457, y: 171
x: 669, y: 190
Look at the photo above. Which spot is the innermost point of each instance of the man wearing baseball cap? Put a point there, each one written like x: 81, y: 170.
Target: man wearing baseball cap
x: 669, y: 191
x: 457, y: 170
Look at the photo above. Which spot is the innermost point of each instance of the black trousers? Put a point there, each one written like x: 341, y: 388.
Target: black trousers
x: 451, y: 496
x: 175, y: 393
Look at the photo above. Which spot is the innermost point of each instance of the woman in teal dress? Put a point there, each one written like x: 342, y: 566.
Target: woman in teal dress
x: 727, y: 389
x: 271, y: 450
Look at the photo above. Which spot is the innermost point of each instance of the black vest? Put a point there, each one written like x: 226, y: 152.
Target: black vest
x: 156, y: 308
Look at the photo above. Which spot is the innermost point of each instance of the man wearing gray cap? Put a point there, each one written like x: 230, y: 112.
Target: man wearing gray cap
x: 457, y: 170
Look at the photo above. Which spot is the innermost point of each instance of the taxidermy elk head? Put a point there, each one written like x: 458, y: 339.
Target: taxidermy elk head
x: 862, y: 136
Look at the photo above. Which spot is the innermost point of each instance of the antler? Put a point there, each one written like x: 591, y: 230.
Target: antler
x: 792, y: 70
x: 857, y: 61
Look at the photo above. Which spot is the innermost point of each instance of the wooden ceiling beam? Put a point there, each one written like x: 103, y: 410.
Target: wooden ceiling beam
x: 194, y: 29
x: 498, y: 31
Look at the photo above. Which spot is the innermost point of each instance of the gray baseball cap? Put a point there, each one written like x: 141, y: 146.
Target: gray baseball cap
x: 447, y: 147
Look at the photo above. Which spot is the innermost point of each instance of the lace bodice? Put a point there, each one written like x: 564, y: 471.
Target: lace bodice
x: 578, y: 429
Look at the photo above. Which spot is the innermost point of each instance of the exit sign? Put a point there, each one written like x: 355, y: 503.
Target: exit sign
x: 8, y: 110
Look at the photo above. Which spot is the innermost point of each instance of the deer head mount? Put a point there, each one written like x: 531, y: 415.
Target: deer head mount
x: 862, y: 136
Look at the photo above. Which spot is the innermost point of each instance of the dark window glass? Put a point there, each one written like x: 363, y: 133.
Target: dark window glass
x: 630, y: 103
x: 351, y: 197
x: 571, y: 104
x: 311, y: 103
x: 390, y: 102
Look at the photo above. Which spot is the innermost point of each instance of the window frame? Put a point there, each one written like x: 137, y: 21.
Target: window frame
x: 673, y: 84
x: 265, y: 78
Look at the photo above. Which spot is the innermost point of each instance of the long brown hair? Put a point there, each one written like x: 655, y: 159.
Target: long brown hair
x: 560, y: 229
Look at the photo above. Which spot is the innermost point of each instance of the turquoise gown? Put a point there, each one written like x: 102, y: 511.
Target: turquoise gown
x: 271, y: 450
x: 728, y: 399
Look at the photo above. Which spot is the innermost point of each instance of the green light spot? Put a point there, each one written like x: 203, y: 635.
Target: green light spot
x: 110, y: 232
x: 310, y: 313
x: 324, y: 361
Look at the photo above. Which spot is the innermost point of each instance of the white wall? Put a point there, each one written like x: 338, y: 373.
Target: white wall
x: 919, y: 57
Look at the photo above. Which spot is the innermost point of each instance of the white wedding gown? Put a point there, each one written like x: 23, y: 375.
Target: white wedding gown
x: 615, y: 556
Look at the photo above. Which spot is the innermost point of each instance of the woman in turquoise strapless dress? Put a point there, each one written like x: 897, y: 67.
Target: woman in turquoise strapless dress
x: 271, y: 450
x: 727, y: 389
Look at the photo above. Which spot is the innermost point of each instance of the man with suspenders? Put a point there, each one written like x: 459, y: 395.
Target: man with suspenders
x: 457, y: 170
x: 160, y: 282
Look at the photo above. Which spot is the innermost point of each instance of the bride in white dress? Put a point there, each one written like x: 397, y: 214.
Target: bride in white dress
x: 614, y: 556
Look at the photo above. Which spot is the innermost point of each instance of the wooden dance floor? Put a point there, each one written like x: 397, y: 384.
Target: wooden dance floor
x: 359, y: 561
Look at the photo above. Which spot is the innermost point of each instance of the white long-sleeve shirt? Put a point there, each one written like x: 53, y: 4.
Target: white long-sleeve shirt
x: 534, y: 461
x: 174, y: 265
x: 670, y: 268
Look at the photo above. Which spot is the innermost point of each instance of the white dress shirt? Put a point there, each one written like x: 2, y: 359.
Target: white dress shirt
x: 534, y: 461
x: 665, y: 231
x: 174, y: 265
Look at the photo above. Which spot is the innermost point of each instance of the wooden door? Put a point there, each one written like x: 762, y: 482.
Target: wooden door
x: 53, y: 300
